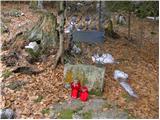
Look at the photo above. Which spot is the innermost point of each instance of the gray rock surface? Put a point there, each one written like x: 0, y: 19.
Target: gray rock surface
x: 96, y: 108
x: 88, y: 75
x: 7, y: 114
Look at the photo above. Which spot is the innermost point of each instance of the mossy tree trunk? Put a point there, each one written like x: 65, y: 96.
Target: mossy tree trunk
x: 61, y: 34
x: 34, y: 4
x: 44, y: 32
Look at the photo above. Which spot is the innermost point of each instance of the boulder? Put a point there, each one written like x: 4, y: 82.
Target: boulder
x: 88, y: 75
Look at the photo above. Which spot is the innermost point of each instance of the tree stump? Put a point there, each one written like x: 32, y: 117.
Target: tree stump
x: 44, y: 32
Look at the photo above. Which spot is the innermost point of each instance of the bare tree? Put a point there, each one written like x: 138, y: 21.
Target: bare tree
x: 61, y: 34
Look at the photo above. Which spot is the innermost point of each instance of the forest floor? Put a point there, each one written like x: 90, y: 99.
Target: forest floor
x: 138, y: 58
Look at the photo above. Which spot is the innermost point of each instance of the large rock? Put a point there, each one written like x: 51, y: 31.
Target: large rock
x: 96, y: 108
x: 88, y: 75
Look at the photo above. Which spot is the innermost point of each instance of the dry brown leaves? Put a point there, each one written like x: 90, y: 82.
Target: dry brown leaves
x: 137, y: 62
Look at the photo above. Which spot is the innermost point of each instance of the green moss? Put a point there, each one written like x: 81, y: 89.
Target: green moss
x: 87, y: 115
x: 66, y: 114
x: 126, y: 96
x: 33, y: 54
x: 130, y: 116
x: 33, y: 5
x: 45, y: 111
x: 95, y: 92
x: 108, y: 106
x: 16, y: 85
x: 39, y: 99
x: 6, y: 74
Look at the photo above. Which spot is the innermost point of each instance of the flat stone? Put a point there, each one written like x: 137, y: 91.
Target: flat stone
x: 88, y: 75
x: 93, y: 106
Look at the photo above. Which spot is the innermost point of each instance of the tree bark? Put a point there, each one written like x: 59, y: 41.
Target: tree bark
x: 40, y: 4
x: 100, y: 17
x: 61, y: 35
x: 33, y: 4
x: 129, y: 25
x: 36, y: 4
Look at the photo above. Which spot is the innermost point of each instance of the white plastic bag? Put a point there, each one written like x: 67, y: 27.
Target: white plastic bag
x: 68, y: 29
x: 104, y: 59
x: 75, y: 49
x: 122, y: 77
x: 128, y: 89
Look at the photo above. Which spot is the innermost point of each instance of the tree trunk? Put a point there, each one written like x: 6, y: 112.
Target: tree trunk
x: 129, y: 25
x: 40, y: 4
x: 100, y: 17
x: 36, y: 4
x: 61, y: 35
x: 33, y: 4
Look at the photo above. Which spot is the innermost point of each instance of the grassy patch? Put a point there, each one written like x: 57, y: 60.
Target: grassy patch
x: 130, y: 116
x: 108, y: 106
x: 87, y: 115
x: 45, y: 111
x: 95, y: 92
x: 66, y: 114
x: 39, y: 99
x: 126, y: 96
x: 6, y: 74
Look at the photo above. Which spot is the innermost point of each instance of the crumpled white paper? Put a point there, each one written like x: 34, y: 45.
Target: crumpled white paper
x: 122, y: 77
x: 33, y: 45
x: 104, y: 59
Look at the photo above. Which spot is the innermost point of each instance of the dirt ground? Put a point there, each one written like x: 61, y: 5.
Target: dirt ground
x: 138, y: 58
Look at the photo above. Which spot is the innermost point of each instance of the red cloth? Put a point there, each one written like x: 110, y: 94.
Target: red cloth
x: 84, y: 94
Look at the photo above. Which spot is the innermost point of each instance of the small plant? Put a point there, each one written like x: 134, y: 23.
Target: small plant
x: 87, y: 115
x: 108, y: 106
x: 39, y: 99
x: 130, y: 116
x: 45, y: 111
x: 95, y: 92
x: 6, y: 74
x: 126, y: 96
x: 16, y: 85
x: 66, y: 114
